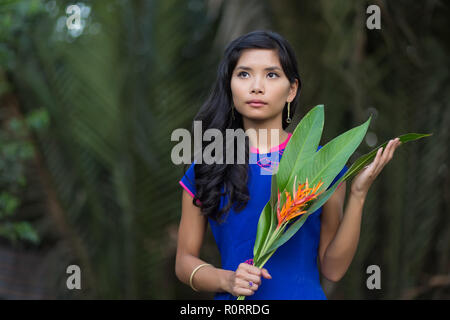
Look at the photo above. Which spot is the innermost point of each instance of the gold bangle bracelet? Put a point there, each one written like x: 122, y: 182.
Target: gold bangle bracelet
x: 195, y: 270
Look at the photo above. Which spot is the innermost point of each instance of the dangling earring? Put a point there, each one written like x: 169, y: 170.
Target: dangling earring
x: 288, y: 119
x: 232, y: 112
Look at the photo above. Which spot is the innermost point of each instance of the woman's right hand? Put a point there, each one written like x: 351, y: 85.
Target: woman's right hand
x: 240, y: 280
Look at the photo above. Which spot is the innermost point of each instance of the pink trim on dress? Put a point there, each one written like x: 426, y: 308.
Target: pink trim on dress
x: 276, y: 148
x: 189, y: 191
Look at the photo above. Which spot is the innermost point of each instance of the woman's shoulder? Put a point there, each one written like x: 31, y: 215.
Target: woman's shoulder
x: 188, y: 180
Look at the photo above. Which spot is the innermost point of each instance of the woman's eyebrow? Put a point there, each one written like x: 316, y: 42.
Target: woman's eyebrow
x: 268, y: 68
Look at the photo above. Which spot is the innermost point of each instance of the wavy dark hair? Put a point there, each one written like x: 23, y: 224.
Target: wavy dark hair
x: 212, y: 181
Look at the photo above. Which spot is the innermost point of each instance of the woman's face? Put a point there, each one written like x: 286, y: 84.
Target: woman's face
x: 258, y: 75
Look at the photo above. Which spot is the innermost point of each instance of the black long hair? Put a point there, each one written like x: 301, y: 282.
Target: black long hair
x: 216, y: 113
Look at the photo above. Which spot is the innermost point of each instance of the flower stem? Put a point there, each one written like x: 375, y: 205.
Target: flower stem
x: 265, y: 260
x: 272, y: 239
x: 267, y: 245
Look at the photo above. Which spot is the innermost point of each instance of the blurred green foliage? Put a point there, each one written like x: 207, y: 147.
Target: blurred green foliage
x: 99, y: 105
x: 16, y: 151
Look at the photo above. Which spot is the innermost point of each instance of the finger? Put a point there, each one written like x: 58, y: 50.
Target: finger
x: 253, y: 278
x: 391, y: 150
x: 245, y: 285
x: 253, y: 286
x: 394, y: 146
x: 265, y: 273
x: 243, y: 292
x: 387, y: 155
x: 248, y: 268
x: 376, y: 161
x: 254, y: 270
x: 246, y: 276
x: 250, y: 285
x: 383, y: 158
x: 386, y: 152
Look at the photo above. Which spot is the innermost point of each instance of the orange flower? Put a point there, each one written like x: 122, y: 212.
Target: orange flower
x: 294, y: 207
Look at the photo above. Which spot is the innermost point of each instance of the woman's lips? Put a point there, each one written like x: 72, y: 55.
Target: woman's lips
x: 256, y: 104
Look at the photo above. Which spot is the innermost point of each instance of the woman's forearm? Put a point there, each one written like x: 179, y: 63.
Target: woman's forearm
x: 207, y: 278
x: 342, y: 248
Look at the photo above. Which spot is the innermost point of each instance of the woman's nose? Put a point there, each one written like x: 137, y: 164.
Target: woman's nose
x: 257, y: 86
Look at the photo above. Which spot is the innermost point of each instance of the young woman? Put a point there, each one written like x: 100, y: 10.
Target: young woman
x: 257, y: 87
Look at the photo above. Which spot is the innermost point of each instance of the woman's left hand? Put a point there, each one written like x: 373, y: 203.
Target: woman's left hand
x: 364, y: 179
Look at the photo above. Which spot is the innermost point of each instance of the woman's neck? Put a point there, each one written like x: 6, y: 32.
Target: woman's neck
x: 264, y: 141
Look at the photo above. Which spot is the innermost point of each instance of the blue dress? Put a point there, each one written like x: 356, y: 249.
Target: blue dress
x: 293, y: 267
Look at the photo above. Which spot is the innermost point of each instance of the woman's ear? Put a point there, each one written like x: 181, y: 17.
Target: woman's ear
x: 293, y: 90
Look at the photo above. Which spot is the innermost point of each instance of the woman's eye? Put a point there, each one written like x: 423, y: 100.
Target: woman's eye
x: 243, y: 73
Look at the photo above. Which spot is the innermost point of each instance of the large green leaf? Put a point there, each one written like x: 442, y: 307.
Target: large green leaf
x: 324, y: 165
x: 263, y: 229
x: 365, y: 159
x: 359, y: 164
x: 273, y: 205
x: 302, y: 145
x: 274, y: 191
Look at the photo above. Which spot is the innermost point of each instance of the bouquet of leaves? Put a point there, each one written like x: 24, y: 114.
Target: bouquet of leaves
x: 299, y: 187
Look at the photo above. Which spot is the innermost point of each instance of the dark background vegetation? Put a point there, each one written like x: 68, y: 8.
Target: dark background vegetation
x: 86, y: 119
